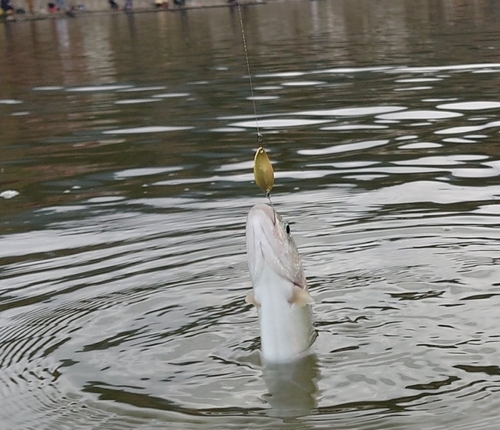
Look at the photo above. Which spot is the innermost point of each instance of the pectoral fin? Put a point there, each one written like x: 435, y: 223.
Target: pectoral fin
x: 301, y: 297
x: 250, y: 299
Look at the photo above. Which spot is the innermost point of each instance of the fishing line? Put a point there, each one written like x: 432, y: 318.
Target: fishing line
x: 262, y: 168
x: 259, y: 136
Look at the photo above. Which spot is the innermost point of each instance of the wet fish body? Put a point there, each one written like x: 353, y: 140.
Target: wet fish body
x: 279, y: 287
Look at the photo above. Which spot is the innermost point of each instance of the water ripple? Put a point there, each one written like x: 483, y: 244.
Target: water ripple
x: 148, y: 129
x: 278, y: 123
x: 470, y: 105
x: 122, y: 260
x: 419, y: 114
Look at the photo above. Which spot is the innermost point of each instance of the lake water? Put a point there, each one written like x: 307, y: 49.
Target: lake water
x: 126, y: 176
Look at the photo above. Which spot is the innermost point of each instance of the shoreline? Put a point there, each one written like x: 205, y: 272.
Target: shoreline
x: 74, y: 13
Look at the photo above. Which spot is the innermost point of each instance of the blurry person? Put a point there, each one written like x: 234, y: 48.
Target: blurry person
x: 7, y: 7
x: 161, y: 4
x: 61, y: 5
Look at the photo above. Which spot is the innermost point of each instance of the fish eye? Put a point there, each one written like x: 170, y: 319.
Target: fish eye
x: 287, y: 228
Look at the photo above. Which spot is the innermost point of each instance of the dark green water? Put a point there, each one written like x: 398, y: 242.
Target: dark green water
x: 126, y: 175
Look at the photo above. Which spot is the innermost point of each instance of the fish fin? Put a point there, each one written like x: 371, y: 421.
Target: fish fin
x: 301, y: 297
x: 250, y: 299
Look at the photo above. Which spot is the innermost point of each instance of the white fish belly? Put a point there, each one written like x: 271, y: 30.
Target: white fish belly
x: 285, y: 329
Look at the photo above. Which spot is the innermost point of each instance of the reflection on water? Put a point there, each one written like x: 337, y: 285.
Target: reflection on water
x: 292, y: 388
x: 126, y: 177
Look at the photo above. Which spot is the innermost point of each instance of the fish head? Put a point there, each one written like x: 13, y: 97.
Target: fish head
x: 270, y: 245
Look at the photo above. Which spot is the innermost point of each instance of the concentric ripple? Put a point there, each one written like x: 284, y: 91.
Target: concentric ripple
x: 125, y: 181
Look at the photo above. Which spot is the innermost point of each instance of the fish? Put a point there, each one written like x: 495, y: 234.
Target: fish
x: 280, y: 291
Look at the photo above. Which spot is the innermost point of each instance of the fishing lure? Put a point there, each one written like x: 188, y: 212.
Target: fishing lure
x: 263, y: 171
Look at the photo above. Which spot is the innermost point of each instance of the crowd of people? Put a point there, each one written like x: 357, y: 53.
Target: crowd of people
x: 160, y: 4
x: 7, y: 7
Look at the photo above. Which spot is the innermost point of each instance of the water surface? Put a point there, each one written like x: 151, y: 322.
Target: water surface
x: 126, y: 177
